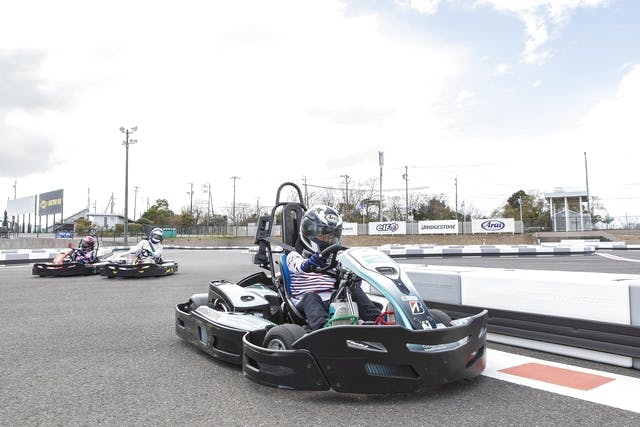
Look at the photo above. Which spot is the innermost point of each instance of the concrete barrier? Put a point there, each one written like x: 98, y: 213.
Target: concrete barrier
x: 592, y: 297
x: 407, y: 251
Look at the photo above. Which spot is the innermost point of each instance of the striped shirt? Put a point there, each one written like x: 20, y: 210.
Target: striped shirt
x: 302, y: 283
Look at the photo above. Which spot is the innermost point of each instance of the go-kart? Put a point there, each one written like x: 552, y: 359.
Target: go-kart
x: 136, y: 265
x: 64, y: 265
x: 254, y: 323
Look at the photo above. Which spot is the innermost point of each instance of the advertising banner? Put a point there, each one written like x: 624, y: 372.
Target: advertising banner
x: 50, y: 203
x: 493, y: 225
x: 391, y: 227
x: 349, y: 228
x: 23, y: 205
x: 438, y: 227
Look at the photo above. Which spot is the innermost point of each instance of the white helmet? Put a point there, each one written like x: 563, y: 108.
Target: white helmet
x: 320, y: 227
x: 156, y: 235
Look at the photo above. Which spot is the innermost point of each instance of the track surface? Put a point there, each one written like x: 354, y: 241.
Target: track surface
x: 97, y: 351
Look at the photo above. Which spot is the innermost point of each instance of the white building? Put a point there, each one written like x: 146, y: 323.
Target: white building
x: 105, y: 220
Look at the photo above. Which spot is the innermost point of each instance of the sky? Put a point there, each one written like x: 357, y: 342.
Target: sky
x: 494, y: 95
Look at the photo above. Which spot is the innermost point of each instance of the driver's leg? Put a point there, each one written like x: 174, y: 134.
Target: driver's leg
x: 314, y: 310
x: 367, y: 309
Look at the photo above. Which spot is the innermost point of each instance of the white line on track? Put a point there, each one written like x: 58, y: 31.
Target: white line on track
x: 616, y: 257
x: 619, y: 391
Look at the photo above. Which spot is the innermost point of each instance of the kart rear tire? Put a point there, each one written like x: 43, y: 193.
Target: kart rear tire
x: 441, y: 317
x: 282, y: 337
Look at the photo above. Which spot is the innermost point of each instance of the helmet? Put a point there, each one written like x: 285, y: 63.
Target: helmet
x: 156, y: 235
x: 88, y: 243
x: 320, y: 227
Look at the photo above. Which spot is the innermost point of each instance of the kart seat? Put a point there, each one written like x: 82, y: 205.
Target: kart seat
x: 285, y: 283
x: 292, y: 214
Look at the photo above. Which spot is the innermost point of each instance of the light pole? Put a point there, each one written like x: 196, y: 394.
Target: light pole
x: 206, y: 188
x: 406, y: 191
x: 381, y: 162
x: 126, y: 143
x: 521, y: 222
x: 233, y: 212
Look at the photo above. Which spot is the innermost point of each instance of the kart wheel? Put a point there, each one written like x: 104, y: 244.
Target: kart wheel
x: 441, y: 317
x: 282, y: 337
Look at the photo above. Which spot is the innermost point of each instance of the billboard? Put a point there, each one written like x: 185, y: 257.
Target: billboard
x: 21, y: 206
x: 449, y: 226
x: 493, y: 225
x: 50, y: 203
x: 391, y: 227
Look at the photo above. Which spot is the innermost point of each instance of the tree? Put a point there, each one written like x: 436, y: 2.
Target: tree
x: 535, y: 212
x: 434, y: 208
x: 159, y: 213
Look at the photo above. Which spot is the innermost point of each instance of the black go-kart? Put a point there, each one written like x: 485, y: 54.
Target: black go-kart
x: 136, y: 266
x: 64, y: 265
x: 254, y: 323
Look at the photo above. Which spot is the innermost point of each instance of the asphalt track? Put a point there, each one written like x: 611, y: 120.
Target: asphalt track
x: 97, y: 351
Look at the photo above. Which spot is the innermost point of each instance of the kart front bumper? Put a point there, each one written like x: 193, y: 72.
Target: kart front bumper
x: 371, y: 359
x: 63, y: 270
x: 139, y: 270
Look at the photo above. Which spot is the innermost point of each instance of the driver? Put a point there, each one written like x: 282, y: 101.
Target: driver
x: 86, y: 254
x: 150, y: 248
x: 320, y: 227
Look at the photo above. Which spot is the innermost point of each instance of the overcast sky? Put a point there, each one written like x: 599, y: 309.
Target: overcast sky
x: 504, y: 95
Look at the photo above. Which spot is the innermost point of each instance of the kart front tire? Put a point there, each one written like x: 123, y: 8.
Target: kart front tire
x: 282, y: 337
x: 441, y: 317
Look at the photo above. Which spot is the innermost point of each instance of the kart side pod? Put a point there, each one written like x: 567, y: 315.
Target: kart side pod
x: 257, y: 300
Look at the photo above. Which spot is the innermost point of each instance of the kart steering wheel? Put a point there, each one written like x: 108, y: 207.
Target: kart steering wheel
x: 331, y: 250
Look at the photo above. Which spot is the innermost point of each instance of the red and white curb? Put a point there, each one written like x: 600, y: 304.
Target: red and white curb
x: 605, y: 388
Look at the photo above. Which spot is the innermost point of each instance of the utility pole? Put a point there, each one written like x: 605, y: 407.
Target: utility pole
x: 306, y: 193
x: 233, y: 214
x: 257, y: 209
x: 456, y: 184
x: 15, y: 186
x: 126, y: 143
x: 381, y: 162
x: 135, y: 201
x: 190, y: 193
x: 406, y: 191
x: 346, y: 191
x: 586, y: 175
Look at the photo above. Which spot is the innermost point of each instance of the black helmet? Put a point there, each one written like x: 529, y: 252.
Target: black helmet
x: 320, y: 227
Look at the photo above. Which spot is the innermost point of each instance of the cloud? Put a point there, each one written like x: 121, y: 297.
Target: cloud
x: 23, y: 152
x: 541, y: 18
x: 358, y: 115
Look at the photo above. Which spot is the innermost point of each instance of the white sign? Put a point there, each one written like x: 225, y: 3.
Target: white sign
x: 349, y: 228
x: 391, y: 227
x: 493, y: 225
x: 449, y: 226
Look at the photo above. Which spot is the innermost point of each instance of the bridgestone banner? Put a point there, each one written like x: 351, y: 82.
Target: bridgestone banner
x: 50, y: 203
x: 392, y: 227
x: 493, y: 225
x: 438, y: 227
x: 349, y: 228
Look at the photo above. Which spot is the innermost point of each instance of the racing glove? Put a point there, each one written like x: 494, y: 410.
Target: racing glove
x: 313, y: 263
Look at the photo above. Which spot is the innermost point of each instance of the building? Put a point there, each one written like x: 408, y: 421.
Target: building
x: 569, y: 210
x: 105, y: 220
